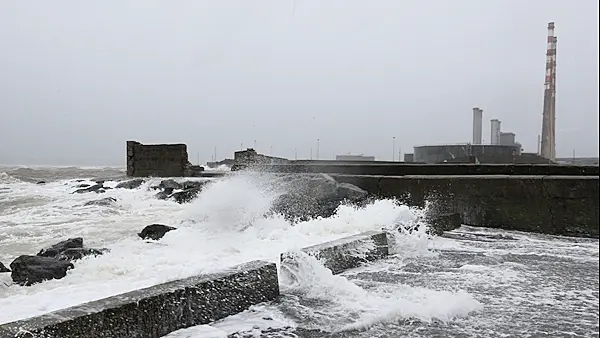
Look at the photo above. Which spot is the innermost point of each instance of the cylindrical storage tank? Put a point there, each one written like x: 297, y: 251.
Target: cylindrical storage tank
x: 464, y: 152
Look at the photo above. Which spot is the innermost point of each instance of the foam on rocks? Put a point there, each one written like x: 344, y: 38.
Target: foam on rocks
x: 345, y: 253
x: 158, y: 310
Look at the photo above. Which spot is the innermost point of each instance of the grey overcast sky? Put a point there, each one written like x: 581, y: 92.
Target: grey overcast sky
x: 79, y: 78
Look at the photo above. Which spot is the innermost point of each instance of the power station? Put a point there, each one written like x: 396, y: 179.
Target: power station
x: 548, y: 141
x: 502, y: 146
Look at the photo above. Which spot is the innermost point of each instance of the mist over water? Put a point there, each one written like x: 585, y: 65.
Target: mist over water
x: 230, y: 223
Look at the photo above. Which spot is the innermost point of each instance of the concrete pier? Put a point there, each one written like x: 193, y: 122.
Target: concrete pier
x: 158, y: 310
x: 348, y: 252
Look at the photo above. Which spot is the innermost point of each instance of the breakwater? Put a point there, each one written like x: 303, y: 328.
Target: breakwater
x: 161, y: 309
x: 558, y: 205
x: 403, y: 169
x: 543, y: 198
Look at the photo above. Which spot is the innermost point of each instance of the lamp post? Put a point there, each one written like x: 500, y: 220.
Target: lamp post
x: 317, y: 149
x: 393, y: 148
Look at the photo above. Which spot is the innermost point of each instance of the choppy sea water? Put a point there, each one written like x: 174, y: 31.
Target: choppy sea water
x: 471, y: 283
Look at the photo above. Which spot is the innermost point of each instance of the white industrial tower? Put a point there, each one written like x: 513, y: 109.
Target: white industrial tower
x: 548, y: 143
x: 477, y: 125
x: 495, y: 131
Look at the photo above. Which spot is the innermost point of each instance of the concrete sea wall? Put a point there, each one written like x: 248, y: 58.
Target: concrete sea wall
x: 558, y: 205
x: 403, y: 169
x: 158, y: 310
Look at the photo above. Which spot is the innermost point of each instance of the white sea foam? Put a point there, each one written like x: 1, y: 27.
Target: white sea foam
x: 368, y: 307
x: 225, y: 226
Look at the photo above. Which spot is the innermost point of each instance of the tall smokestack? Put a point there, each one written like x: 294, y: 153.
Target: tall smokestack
x: 477, y: 125
x: 495, y: 131
x: 548, y: 143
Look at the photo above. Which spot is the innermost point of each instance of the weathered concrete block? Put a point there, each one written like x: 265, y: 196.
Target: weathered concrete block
x: 158, y: 310
x: 348, y: 252
x: 160, y: 160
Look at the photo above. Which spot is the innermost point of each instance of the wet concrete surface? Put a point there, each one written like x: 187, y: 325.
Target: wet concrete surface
x: 529, y: 285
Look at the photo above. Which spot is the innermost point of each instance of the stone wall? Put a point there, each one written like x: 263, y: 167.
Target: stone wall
x: 158, y: 160
x: 560, y: 205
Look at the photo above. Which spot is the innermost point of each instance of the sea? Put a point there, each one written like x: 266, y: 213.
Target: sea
x: 470, y: 282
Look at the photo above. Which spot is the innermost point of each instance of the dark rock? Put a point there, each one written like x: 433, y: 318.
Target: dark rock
x: 3, y: 268
x: 170, y: 184
x: 155, y: 231
x: 133, y: 184
x: 193, y: 184
x: 56, y: 249
x: 41, y: 182
x: 186, y: 196
x: 102, y: 202
x: 70, y: 250
x: 444, y: 222
x: 83, y: 185
x: 163, y: 195
x: 315, y: 195
x: 98, y: 188
x: 78, y: 253
x: 28, y: 270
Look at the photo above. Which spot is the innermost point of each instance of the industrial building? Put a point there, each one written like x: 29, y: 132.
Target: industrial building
x: 495, y: 131
x: 507, y: 139
x: 465, y: 153
x: 503, y: 147
x: 352, y: 158
x: 548, y: 138
x: 477, y: 125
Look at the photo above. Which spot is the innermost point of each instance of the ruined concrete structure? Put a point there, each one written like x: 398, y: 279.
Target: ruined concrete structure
x: 251, y: 157
x: 159, y: 160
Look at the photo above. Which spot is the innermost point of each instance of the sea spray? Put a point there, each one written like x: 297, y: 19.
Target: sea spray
x: 334, y: 303
x: 227, y: 224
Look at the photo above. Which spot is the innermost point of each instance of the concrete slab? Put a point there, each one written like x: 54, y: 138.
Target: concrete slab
x: 348, y: 252
x: 158, y: 310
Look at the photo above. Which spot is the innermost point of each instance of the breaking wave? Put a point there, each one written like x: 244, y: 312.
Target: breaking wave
x: 229, y: 223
